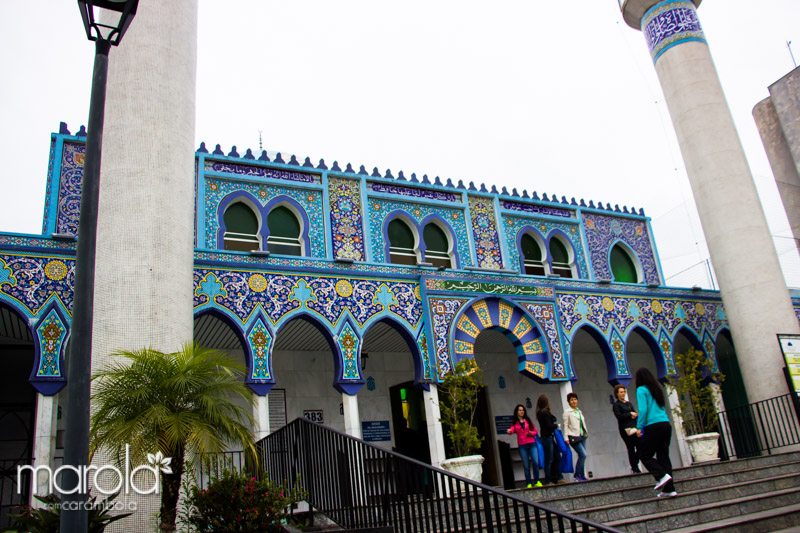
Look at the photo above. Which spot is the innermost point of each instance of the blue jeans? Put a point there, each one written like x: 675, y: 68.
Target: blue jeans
x: 580, y: 449
x: 529, y: 455
x: 551, y: 455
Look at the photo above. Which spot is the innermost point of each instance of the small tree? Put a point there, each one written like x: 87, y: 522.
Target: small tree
x: 458, y: 404
x: 696, y: 405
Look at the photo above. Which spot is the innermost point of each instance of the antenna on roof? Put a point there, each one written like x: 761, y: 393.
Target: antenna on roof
x: 789, y: 46
x: 260, y: 146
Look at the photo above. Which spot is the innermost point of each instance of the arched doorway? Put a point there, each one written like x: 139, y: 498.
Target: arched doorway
x: 17, y: 409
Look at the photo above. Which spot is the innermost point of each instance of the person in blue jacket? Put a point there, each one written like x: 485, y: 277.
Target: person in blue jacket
x: 654, y: 432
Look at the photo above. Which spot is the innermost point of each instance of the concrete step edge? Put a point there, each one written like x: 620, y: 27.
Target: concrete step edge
x: 697, y: 508
x: 738, y: 520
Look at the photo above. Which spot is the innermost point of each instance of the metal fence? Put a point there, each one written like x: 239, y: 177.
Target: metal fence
x: 359, y: 485
x: 759, y: 427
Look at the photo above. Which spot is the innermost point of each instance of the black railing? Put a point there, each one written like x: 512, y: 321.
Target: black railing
x: 212, y: 466
x: 359, y: 485
x: 759, y: 427
x: 13, y: 495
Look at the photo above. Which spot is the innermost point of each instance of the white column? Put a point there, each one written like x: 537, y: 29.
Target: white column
x: 261, y: 414
x: 44, y: 443
x: 435, y: 434
x: 564, y: 388
x: 352, y: 421
x: 752, y: 286
x: 677, y: 426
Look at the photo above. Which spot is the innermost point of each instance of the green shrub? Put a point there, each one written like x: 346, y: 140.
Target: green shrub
x: 458, y: 402
x: 235, y: 502
x: 696, y: 405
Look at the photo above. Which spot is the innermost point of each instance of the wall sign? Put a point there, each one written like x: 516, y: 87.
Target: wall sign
x: 790, y: 346
x: 376, y: 431
x: 502, y: 423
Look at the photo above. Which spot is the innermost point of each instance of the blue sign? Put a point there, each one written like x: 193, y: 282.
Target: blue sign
x: 502, y: 423
x: 376, y: 431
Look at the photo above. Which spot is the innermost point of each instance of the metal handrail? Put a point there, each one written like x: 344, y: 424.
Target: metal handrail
x: 359, y: 485
x: 762, y: 426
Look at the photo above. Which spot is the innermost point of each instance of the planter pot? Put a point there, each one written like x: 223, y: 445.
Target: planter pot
x: 469, y: 466
x: 704, y: 447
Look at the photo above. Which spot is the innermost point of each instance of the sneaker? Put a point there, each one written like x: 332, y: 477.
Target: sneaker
x: 562, y: 481
x: 529, y: 486
x: 579, y: 478
x: 663, y: 481
x: 667, y: 494
x: 538, y: 484
x: 635, y: 471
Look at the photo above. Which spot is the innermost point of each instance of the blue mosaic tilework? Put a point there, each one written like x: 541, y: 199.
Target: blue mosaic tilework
x: 38, y: 242
x: 670, y: 23
x: 379, y: 209
x: 243, y: 292
x: 428, y: 370
x: 259, y: 339
x: 513, y: 225
x: 50, y: 183
x: 537, y: 209
x: 310, y: 200
x: 51, y: 334
x: 603, y: 231
x: 442, y: 313
x: 484, y: 230
x: 711, y: 351
x: 618, y: 349
x: 665, y: 344
x: 626, y: 312
x: 69, y: 190
x: 31, y: 281
x: 260, y: 172
x: 349, y: 342
x: 413, y: 191
x: 344, y: 197
x: 545, y: 315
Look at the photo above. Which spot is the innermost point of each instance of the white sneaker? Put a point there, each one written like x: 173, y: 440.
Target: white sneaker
x: 667, y: 494
x: 663, y: 481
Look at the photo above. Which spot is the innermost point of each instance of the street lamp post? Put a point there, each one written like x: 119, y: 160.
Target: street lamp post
x: 106, y: 30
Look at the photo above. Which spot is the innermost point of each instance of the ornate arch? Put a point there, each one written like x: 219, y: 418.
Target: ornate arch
x: 514, y: 322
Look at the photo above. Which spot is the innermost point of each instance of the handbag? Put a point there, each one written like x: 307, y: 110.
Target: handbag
x: 540, y: 452
x: 574, y: 440
x: 562, y: 446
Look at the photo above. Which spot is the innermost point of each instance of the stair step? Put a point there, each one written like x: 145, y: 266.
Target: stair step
x: 670, y: 516
x: 767, y: 520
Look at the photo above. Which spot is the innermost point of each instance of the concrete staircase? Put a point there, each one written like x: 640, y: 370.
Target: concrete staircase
x: 746, y: 495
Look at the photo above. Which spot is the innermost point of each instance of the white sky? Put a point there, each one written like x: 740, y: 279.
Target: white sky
x: 531, y: 95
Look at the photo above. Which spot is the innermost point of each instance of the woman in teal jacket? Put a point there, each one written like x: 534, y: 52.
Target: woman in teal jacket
x: 654, y: 432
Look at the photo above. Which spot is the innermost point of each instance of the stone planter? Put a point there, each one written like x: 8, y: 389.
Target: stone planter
x: 704, y: 447
x: 469, y: 466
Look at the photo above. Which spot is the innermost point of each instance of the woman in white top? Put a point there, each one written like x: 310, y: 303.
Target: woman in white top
x: 576, y: 431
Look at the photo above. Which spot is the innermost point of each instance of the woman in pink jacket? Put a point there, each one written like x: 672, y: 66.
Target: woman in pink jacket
x: 526, y: 439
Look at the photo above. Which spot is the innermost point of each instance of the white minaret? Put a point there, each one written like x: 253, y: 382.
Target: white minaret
x: 145, y: 234
x: 753, y: 289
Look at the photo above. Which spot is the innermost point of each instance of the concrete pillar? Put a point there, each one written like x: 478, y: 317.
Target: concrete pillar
x: 753, y: 290
x: 564, y: 388
x: 261, y: 414
x: 44, y: 443
x: 145, y: 234
x: 677, y: 427
x: 352, y: 420
x: 430, y: 399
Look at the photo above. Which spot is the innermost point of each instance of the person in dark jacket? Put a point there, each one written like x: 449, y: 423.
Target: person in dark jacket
x: 548, y: 424
x: 626, y: 418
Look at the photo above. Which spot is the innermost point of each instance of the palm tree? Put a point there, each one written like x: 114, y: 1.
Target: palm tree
x: 180, y: 404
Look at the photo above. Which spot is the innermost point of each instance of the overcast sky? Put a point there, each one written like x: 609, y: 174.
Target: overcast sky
x: 532, y: 95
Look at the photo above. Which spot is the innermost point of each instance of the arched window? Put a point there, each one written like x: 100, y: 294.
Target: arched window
x: 241, y: 228
x: 437, y: 246
x: 401, y: 243
x: 532, y: 257
x: 560, y: 262
x: 284, y: 232
x: 623, y: 267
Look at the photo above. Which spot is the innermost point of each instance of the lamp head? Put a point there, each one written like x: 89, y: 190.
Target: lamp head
x: 107, y: 19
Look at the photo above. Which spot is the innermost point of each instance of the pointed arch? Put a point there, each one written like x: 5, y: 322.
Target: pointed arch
x: 533, y: 252
x: 561, y: 254
x: 230, y: 201
x: 421, y: 372
x: 50, y: 332
x: 274, y: 237
x: 608, y: 355
x: 451, y: 252
x: 405, y: 249
x: 652, y: 344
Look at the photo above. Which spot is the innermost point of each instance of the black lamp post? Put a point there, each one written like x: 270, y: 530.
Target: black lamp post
x: 116, y: 17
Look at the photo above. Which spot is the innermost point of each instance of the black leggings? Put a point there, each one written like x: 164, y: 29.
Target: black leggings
x: 655, y: 442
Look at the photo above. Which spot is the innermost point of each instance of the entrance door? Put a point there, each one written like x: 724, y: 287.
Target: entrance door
x: 740, y: 419
x: 409, y: 423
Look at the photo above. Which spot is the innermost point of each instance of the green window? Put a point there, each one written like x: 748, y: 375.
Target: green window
x: 622, y: 266
x: 241, y: 228
x: 532, y: 259
x: 560, y: 263
x: 401, y: 243
x: 284, y: 232
x: 436, y: 246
